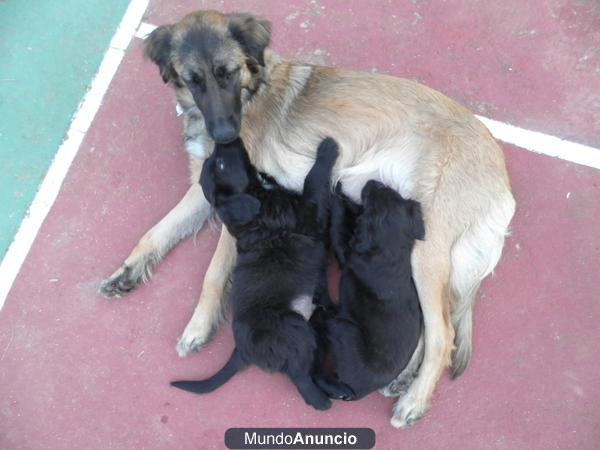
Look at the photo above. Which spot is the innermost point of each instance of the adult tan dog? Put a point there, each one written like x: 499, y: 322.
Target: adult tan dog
x: 399, y: 132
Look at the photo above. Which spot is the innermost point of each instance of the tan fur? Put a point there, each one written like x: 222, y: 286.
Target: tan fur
x: 397, y: 131
x: 209, y: 311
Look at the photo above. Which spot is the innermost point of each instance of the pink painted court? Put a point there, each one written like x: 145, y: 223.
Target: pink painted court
x: 79, y: 371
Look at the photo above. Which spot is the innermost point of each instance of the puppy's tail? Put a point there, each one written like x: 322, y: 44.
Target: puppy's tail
x: 233, y: 366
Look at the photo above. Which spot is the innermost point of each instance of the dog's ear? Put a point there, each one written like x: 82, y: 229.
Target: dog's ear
x: 238, y: 209
x: 417, y: 226
x: 157, y: 48
x: 253, y: 34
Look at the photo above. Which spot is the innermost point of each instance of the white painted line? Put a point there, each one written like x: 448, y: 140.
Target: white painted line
x: 50, y: 187
x: 144, y: 30
x: 543, y: 144
x: 92, y: 101
x: 130, y: 22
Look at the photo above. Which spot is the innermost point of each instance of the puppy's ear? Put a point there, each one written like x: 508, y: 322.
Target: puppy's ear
x: 252, y: 33
x: 238, y: 209
x: 207, y: 180
x: 417, y: 226
x: 157, y: 48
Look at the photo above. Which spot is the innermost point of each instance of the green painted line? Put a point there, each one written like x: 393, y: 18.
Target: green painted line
x: 49, y: 53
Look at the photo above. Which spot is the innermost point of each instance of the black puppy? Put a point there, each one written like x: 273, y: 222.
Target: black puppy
x: 281, y: 264
x: 377, y: 328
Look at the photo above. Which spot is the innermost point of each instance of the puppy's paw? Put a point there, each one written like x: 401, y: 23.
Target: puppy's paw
x: 319, y: 402
x: 407, y: 411
x: 123, y: 281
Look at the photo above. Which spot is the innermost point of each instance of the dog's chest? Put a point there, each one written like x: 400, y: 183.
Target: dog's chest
x: 286, y: 166
x: 196, y: 140
x: 303, y: 305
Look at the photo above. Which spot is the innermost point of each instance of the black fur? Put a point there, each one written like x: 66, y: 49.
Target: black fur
x: 282, y: 255
x: 376, y: 330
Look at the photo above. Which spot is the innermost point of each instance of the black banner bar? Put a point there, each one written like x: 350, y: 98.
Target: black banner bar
x: 300, y: 438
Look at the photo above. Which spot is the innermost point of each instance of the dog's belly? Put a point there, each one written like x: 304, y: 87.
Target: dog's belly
x: 393, y: 162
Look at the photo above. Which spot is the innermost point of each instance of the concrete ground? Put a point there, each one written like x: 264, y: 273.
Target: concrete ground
x: 78, y: 371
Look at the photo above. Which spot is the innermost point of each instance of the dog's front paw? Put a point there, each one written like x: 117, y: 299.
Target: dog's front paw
x: 407, y: 411
x: 189, y: 343
x: 123, y: 281
x: 194, y: 338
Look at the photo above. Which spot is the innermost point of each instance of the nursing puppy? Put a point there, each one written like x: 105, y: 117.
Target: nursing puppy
x: 282, y: 257
x: 376, y: 331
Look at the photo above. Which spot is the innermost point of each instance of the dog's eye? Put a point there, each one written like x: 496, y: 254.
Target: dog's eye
x: 196, y: 79
x: 225, y: 74
x: 220, y: 164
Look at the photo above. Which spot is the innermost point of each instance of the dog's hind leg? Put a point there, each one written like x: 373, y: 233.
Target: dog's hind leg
x: 431, y: 272
x: 209, y: 312
x: 311, y: 394
x: 184, y: 219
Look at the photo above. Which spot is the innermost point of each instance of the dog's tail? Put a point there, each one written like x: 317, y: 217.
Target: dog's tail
x: 474, y: 256
x: 233, y: 366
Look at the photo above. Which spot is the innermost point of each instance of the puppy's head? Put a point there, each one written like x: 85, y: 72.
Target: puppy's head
x: 225, y: 179
x: 387, y: 219
x: 209, y: 58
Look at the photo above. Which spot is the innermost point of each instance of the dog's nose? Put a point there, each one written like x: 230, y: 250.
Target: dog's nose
x: 224, y: 133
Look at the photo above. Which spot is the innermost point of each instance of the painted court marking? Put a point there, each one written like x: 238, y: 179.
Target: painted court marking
x: 543, y: 144
x: 48, y: 191
x: 17, y: 252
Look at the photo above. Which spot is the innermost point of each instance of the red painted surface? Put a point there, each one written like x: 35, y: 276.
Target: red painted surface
x: 78, y: 371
